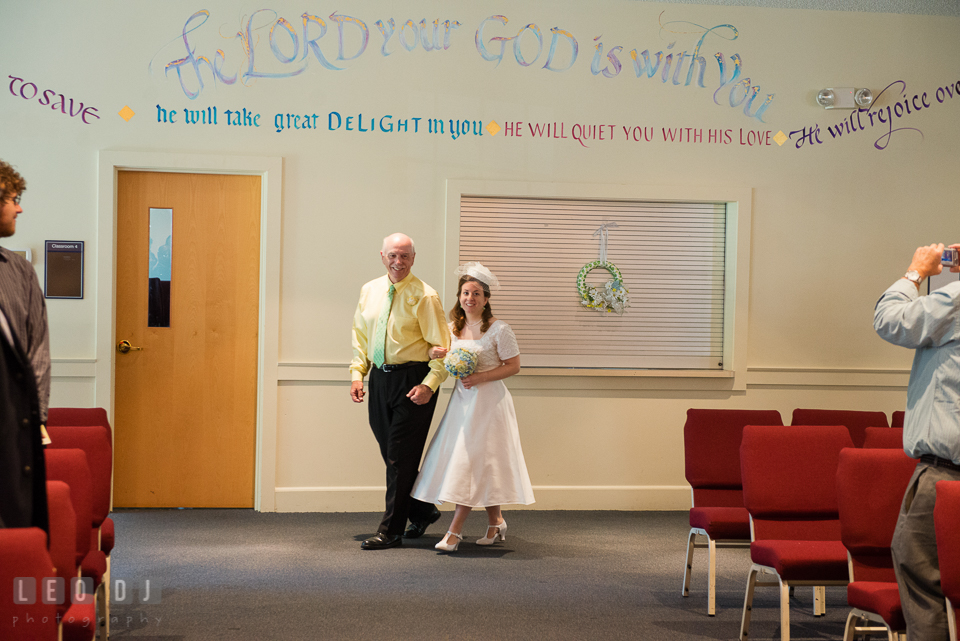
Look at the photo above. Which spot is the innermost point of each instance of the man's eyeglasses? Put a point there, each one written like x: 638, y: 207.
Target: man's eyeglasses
x: 14, y: 199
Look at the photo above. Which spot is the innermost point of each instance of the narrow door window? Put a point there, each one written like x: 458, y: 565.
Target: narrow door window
x: 161, y: 244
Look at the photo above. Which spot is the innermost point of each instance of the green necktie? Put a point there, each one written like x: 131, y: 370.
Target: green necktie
x: 380, y: 338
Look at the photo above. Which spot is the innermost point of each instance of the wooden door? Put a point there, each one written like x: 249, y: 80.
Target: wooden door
x: 185, y: 405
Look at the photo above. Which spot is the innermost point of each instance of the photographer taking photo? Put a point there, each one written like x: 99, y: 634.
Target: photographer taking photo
x: 931, y: 326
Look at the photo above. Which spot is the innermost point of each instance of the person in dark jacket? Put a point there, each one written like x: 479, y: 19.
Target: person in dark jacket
x: 23, y: 489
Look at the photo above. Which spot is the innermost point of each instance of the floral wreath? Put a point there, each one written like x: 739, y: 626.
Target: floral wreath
x: 612, y: 298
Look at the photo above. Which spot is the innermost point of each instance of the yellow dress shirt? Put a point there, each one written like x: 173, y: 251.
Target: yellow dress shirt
x: 415, y: 325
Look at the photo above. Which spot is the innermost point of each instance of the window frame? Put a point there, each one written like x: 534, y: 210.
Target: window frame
x: 738, y: 205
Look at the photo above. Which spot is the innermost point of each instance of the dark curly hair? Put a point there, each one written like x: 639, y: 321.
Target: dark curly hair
x: 10, y: 181
x: 459, y: 317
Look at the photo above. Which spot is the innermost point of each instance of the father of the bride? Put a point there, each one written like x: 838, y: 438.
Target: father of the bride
x: 399, y: 318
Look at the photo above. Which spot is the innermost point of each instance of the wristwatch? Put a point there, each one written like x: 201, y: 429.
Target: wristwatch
x: 914, y: 277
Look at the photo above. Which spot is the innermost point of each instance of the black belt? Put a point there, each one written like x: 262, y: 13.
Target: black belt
x: 386, y: 369
x: 940, y: 462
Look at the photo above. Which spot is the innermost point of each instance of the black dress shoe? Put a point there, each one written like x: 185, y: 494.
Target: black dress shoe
x: 382, y: 541
x: 416, y: 528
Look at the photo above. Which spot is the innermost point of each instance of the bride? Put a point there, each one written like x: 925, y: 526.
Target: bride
x: 475, y: 459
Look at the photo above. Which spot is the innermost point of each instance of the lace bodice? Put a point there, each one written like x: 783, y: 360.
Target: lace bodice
x: 496, y: 345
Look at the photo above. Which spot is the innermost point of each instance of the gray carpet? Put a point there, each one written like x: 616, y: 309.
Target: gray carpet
x: 239, y: 574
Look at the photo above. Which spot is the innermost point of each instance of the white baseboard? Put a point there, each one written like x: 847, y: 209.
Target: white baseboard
x: 549, y: 497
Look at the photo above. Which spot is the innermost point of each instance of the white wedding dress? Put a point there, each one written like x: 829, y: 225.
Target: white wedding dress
x: 475, y: 458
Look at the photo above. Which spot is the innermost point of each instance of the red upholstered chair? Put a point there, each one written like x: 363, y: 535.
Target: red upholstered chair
x: 870, y: 488
x: 789, y: 488
x: 897, y: 419
x: 68, y: 416
x: 855, y: 421
x: 70, y: 466
x: 711, y: 444
x: 889, y: 438
x: 94, y: 440
x: 74, y: 416
x: 946, y: 517
x: 77, y: 619
x: 23, y: 553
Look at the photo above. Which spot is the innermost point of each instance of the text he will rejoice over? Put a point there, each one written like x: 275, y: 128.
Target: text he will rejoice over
x: 582, y: 133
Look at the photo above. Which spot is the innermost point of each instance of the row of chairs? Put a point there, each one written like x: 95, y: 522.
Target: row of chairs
x: 79, y: 464
x: 712, y: 461
x: 813, y: 509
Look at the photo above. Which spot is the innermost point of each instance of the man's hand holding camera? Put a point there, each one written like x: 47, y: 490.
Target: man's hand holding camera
x: 930, y: 261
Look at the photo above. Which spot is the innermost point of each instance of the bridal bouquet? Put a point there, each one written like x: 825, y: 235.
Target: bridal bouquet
x: 460, y: 362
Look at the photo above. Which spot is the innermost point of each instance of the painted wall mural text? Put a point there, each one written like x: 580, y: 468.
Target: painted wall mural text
x: 582, y: 134
x: 292, y: 46
x: 57, y: 101
x: 885, y: 118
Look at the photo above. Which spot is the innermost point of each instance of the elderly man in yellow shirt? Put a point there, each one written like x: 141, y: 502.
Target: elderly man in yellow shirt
x: 399, y: 318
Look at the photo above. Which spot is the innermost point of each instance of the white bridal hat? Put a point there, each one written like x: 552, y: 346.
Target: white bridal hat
x: 481, y: 273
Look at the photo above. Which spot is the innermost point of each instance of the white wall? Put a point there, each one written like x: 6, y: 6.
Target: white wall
x: 832, y: 224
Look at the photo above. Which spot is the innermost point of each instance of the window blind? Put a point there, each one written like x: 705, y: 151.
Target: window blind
x: 671, y: 257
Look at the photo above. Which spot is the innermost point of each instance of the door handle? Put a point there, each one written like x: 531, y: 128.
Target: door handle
x: 124, y: 346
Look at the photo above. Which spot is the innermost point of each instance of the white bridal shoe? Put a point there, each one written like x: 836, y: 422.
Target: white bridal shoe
x: 449, y: 547
x: 499, y: 533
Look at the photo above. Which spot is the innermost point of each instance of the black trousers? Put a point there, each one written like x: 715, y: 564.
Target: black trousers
x: 401, y: 428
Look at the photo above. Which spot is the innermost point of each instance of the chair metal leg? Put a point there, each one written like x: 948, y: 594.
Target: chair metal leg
x: 819, y: 600
x: 951, y: 621
x: 712, y: 590
x: 106, y: 619
x: 850, y: 629
x: 688, y: 568
x: 784, y: 611
x: 865, y: 623
x: 748, y: 603
x: 101, y: 609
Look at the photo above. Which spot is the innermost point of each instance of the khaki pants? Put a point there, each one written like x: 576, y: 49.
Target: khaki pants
x: 915, y: 560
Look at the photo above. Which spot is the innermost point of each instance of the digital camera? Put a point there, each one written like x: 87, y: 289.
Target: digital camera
x: 950, y: 258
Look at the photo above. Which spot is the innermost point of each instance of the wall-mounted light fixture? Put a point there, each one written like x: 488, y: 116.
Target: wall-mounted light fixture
x: 863, y: 98
x: 844, y: 98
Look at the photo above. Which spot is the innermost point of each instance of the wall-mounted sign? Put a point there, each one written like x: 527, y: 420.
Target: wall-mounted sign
x: 63, y: 272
